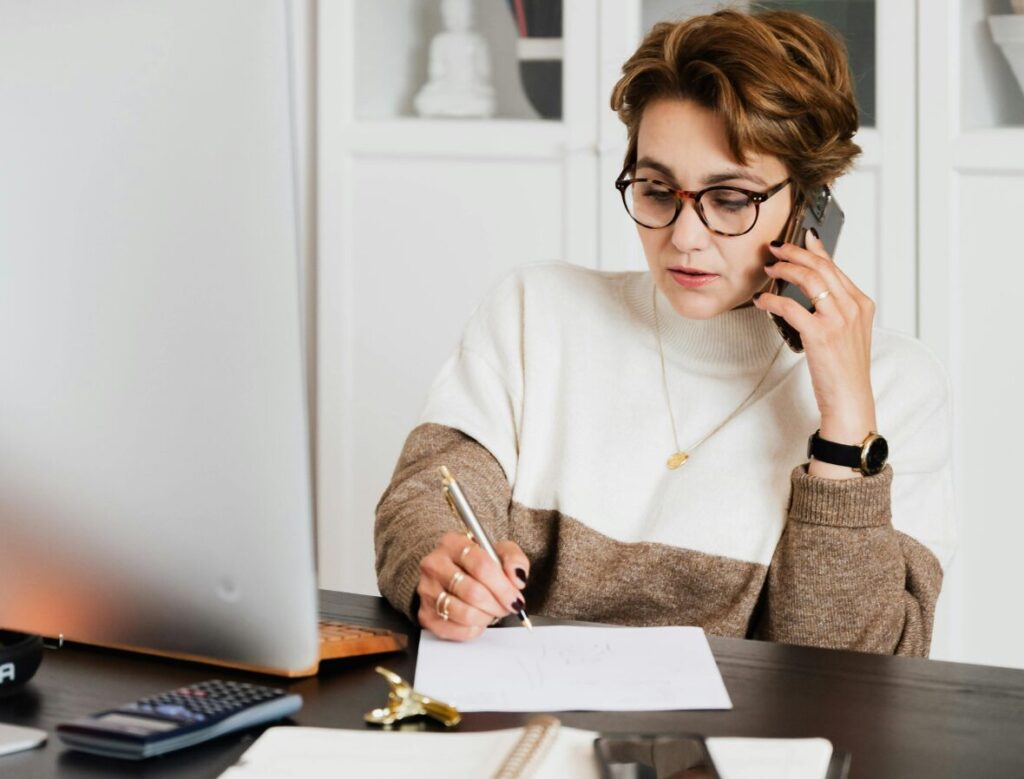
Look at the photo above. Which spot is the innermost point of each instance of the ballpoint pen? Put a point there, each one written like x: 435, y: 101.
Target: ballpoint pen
x: 457, y: 500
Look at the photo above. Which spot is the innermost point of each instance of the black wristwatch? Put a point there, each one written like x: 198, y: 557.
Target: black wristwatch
x: 869, y: 458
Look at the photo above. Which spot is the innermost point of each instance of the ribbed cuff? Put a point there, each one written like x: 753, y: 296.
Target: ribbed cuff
x: 860, y: 502
x: 405, y: 585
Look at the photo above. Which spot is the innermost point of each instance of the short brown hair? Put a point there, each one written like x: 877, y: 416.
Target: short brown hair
x: 780, y: 79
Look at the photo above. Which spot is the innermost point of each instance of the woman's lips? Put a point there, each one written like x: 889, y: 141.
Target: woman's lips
x: 692, y: 280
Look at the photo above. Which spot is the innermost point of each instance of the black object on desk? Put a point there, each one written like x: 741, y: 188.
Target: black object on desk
x: 20, y: 655
x: 177, y: 719
x: 630, y: 756
x: 899, y: 717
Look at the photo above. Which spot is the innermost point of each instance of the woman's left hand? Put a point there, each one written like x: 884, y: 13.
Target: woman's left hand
x: 836, y: 337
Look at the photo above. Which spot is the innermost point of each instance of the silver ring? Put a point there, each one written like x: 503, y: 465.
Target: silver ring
x: 464, y: 552
x: 457, y: 577
x: 819, y: 297
x: 443, y: 602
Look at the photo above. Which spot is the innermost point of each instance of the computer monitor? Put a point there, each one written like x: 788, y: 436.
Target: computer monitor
x: 155, y: 484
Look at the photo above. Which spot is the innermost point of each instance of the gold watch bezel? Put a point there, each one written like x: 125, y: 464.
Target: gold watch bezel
x: 865, y: 447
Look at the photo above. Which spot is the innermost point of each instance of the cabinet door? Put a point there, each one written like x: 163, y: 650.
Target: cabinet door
x: 418, y: 218
x: 971, y: 132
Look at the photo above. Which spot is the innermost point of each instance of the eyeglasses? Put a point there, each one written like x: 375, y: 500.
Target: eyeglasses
x: 727, y: 211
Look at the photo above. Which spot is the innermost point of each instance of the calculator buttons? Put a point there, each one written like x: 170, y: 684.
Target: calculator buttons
x: 208, y: 700
x: 181, y: 717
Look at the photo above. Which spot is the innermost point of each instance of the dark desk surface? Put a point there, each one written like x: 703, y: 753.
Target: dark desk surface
x: 899, y: 717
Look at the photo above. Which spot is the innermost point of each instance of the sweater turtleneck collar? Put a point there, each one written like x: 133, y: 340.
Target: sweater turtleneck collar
x: 733, y: 342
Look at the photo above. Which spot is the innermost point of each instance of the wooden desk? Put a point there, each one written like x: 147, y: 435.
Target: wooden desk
x: 899, y: 717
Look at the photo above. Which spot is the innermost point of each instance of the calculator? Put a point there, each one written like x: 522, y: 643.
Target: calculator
x: 176, y: 719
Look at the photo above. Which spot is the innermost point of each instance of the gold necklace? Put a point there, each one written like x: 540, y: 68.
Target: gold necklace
x: 679, y: 457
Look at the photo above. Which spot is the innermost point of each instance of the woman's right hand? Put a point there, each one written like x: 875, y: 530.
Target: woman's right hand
x: 482, y: 594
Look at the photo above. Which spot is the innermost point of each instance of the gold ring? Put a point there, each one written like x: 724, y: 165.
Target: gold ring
x: 443, y: 602
x: 464, y: 552
x: 819, y: 297
x: 457, y: 577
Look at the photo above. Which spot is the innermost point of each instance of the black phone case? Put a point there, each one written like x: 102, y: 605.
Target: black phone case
x: 611, y: 748
x: 827, y: 218
x: 635, y: 755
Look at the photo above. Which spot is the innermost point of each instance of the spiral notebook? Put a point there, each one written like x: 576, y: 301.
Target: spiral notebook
x: 543, y: 749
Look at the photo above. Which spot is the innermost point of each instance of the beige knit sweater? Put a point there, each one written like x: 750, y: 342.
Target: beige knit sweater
x: 552, y: 416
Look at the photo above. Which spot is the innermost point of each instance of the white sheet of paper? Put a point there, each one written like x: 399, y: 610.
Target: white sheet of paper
x: 770, y: 758
x: 17, y: 738
x: 570, y: 668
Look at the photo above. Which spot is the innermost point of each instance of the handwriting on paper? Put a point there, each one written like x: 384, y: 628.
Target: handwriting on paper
x: 564, y: 668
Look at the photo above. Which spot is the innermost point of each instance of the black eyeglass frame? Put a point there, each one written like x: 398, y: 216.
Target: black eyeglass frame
x: 624, y: 181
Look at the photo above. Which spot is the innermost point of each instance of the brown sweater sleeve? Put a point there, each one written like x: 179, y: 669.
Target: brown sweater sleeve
x: 413, y: 514
x: 842, y: 577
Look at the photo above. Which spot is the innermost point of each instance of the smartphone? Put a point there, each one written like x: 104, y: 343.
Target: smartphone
x: 822, y: 212
x: 654, y: 757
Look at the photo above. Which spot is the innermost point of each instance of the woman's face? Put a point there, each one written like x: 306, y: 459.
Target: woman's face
x: 685, y: 145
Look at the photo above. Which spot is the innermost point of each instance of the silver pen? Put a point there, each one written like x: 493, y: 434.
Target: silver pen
x: 457, y: 500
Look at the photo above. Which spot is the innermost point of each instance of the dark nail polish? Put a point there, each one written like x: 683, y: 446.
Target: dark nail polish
x: 777, y: 244
x: 521, y: 574
x: 815, y: 233
x: 517, y: 605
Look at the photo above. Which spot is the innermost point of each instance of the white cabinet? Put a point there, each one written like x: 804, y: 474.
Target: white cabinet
x: 971, y: 273
x: 418, y: 218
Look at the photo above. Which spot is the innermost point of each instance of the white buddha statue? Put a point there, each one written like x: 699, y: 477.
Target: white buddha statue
x: 460, y: 70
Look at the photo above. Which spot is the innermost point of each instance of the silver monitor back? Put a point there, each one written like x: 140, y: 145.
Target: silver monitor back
x: 154, y: 464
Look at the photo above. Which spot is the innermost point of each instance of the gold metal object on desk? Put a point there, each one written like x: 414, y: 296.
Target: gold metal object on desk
x: 405, y: 702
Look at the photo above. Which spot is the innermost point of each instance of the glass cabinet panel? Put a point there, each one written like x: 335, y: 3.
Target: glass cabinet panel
x: 853, y: 19
x: 508, y: 52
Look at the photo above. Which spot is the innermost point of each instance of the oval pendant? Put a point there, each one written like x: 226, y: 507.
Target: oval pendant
x: 677, y: 460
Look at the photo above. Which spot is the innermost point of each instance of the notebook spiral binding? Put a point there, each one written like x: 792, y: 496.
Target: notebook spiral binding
x: 538, y: 736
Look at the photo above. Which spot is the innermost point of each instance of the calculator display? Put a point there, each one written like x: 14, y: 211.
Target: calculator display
x: 138, y: 723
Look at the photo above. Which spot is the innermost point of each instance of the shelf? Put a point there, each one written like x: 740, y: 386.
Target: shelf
x: 492, y: 138
x: 990, y: 96
x: 503, y: 139
x: 391, y: 42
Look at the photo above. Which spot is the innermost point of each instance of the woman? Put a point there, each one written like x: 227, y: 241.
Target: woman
x: 571, y: 388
